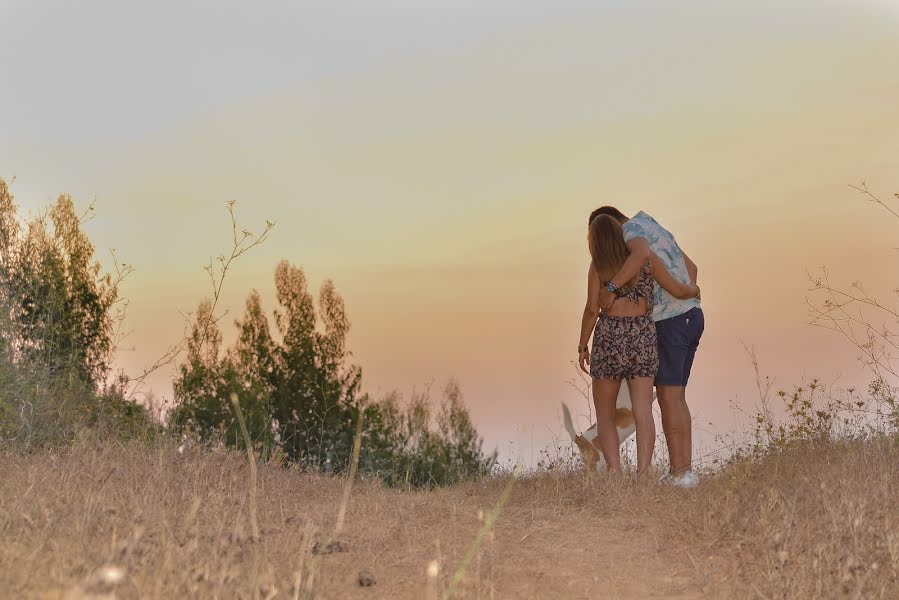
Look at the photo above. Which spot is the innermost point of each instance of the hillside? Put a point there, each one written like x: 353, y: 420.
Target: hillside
x: 103, y: 521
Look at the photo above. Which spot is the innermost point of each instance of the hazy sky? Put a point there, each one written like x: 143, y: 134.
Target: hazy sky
x: 438, y: 161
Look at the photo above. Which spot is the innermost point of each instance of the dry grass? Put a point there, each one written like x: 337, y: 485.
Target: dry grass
x: 102, y: 520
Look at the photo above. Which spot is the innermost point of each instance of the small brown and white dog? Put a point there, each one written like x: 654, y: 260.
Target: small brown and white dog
x: 588, y: 444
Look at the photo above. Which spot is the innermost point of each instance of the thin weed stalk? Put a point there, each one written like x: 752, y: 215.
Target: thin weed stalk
x: 306, y: 550
x: 341, y: 515
x: 475, y: 547
x: 251, y: 457
x: 348, y: 487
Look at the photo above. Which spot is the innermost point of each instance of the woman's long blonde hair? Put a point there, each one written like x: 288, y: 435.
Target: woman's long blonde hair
x: 607, y: 247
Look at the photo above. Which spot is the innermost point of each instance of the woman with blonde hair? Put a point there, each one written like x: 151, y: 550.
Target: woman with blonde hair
x: 624, y: 339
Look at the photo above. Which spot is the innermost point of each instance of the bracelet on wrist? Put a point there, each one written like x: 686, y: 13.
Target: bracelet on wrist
x: 581, y: 350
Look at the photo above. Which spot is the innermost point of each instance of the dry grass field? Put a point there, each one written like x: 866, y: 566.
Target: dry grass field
x: 106, y: 521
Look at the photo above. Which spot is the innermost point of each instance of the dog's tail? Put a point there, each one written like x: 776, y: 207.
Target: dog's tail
x: 569, y: 424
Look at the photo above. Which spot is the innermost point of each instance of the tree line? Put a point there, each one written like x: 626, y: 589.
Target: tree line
x: 292, y: 374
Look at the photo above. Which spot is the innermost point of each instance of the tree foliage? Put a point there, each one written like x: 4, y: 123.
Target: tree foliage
x: 298, y: 390
x: 301, y: 395
x: 56, y: 302
x: 56, y: 328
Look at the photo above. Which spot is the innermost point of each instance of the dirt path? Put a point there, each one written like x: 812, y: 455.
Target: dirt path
x: 178, y: 528
x: 542, y: 547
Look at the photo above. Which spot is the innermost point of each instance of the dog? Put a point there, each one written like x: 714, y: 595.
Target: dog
x: 588, y: 444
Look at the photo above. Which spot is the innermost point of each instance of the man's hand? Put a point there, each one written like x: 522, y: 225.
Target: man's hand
x: 583, y: 359
x: 692, y: 269
x: 606, y: 299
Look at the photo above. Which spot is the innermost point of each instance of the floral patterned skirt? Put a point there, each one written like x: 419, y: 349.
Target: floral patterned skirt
x: 624, y: 348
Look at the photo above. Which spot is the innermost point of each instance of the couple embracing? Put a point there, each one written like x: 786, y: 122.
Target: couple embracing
x: 644, y: 312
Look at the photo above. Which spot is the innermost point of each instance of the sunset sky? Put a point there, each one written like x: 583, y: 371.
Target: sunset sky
x: 438, y: 161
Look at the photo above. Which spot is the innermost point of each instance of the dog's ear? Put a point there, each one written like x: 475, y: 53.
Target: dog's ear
x: 589, y: 453
x: 584, y: 445
x: 569, y: 424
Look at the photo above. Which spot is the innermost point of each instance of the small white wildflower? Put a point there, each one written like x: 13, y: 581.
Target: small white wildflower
x: 434, y: 569
x: 110, y: 575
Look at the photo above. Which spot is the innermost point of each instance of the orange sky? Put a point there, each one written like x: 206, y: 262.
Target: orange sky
x: 438, y: 161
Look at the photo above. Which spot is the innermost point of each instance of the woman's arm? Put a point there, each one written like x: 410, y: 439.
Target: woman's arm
x: 588, y: 322
x: 676, y: 288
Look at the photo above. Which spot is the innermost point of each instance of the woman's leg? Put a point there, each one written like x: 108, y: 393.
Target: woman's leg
x: 641, y: 400
x: 605, y: 395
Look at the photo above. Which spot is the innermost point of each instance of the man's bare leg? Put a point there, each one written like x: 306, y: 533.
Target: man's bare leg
x: 677, y: 424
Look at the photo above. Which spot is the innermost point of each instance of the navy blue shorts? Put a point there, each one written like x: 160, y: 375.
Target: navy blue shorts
x: 678, y: 340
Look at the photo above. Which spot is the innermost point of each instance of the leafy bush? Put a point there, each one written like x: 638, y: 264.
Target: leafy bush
x: 412, y: 446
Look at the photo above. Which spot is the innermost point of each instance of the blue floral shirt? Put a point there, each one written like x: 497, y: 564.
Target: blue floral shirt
x: 665, y: 247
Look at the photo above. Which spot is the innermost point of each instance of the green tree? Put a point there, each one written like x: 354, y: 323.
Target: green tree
x: 256, y: 372
x: 316, y: 400
x: 464, y: 448
x: 61, y: 302
x: 9, y: 235
x: 295, y: 405
x: 56, y: 330
x: 302, y: 395
x: 202, y: 388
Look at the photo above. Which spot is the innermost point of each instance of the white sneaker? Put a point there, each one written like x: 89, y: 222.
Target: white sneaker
x: 688, y: 480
